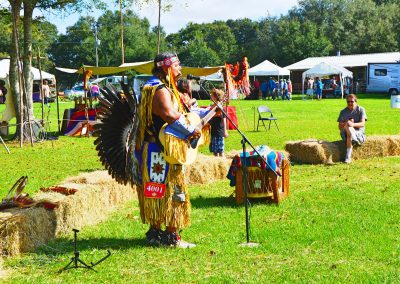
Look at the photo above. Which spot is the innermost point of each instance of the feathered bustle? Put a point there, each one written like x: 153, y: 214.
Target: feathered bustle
x: 117, y: 134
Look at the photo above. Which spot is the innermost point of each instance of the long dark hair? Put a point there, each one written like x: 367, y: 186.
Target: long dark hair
x: 183, y: 86
x: 158, y: 71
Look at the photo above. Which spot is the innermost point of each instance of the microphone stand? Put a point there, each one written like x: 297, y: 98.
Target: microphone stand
x: 244, y: 173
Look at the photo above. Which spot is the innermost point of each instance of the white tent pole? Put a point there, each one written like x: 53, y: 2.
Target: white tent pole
x: 341, y: 83
x: 302, y: 85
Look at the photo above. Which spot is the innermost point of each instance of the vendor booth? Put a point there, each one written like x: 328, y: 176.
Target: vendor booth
x: 267, y: 68
x: 326, y: 69
x: 9, y: 111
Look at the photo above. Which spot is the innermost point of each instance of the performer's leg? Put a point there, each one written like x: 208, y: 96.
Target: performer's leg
x: 177, y: 214
x: 349, y: 145
x: 153, y: 235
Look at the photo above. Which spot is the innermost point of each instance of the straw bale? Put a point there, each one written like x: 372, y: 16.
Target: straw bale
x: 3, y: 272
x: 207, y: 169
x: 97, y: 195
x: 378, y: 146
x: 23, y: 230
x: 313, y: 151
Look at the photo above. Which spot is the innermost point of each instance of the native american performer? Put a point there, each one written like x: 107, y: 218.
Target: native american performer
x: 139, y: 157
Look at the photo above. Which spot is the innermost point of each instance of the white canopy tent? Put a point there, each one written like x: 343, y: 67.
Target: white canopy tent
x: 9, y: 111
x: 267, y: 68
x: 327, y: 69
x: 5, y: 67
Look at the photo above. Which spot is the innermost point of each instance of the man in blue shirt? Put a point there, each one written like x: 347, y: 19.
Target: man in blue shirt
x: 319, y: 87
x: 264, y: 90
x: 271, y: 88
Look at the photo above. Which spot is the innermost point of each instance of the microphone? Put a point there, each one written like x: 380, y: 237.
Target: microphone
x: 191, y: 77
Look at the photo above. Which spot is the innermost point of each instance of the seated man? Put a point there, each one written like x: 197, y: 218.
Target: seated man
x: 351, y: 124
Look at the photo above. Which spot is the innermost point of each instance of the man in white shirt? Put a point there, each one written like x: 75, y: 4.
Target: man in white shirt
x: 46, y: 91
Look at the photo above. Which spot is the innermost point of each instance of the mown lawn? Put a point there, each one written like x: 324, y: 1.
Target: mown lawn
x: 339, y: 224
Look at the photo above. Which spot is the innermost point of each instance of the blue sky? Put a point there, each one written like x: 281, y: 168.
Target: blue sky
x: 196, y: 11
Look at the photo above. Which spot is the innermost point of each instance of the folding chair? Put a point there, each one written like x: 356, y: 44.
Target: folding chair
x: 265, y: 114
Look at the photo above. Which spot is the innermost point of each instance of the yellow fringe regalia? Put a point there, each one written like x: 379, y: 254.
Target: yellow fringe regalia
x: 164, y: 211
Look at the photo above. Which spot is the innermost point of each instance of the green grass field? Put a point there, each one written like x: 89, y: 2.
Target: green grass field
x: 339, y: 224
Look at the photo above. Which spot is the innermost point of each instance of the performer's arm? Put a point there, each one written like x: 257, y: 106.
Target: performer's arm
x: 226, y: 134
x: 177, y: 126
x: 162, y: 106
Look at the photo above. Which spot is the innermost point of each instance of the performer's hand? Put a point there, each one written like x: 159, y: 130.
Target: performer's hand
x: 350, y: 122
x: 196, y: 134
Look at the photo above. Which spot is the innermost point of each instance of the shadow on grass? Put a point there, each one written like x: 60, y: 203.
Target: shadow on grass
x: 65, y: 246
x: 206, y: 202
x: 223, y: 201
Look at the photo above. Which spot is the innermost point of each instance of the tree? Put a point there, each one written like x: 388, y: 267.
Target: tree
x: 139, y: 38
x: 24, y: 104
x: 245, y: 32
x: 5, y: 32
x: 215, y: 40
x: 265, y: 47
x: 77, y: 46
x: 297, y: 41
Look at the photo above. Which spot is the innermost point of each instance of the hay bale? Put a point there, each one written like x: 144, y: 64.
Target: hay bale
x: 23, y: 230
x: 98, y: 194
x: 3, y: 273
x: 313, y: 151
x: 377, y: 146
x: 207, y: 169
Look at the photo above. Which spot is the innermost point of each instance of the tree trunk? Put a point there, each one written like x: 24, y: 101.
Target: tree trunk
x: 14, y: 75
x: 27, y: 56
x: 29, y: 5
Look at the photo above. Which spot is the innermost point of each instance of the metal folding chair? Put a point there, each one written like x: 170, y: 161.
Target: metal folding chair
x: 265, y: 114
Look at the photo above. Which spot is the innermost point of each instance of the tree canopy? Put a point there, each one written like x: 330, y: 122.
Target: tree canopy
x: 312, y: 28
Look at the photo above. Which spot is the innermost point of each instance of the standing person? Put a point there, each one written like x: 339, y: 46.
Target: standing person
x: 318, y: 88
x: 160, y: 104
x: 264, y: 90
x: 280, y: 89
x: 94, y: 88
x: 256, y: 86
x: 285, y: 90
x: 46, y: 91
x: 186, y: 93
x: 271, y: 88
x: 310, y: 87
x: 3, y: 92
x: 352, y: 125
x: 218, y: 128
x: 290, y: 89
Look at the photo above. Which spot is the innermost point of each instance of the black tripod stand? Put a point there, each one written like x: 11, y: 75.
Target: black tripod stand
x: 245, y: 189
x: 74, y: 263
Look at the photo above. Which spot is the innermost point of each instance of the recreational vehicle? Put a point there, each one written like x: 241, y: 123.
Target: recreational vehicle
x: 383, y: 78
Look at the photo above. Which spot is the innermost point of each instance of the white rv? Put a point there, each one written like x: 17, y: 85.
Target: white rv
x: 383, y: 78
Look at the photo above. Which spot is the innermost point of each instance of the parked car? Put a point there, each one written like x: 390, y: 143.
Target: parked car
x: 75, y: 92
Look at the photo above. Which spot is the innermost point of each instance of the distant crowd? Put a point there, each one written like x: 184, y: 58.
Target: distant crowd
x: 282, y: 89
x: 273, y: 89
